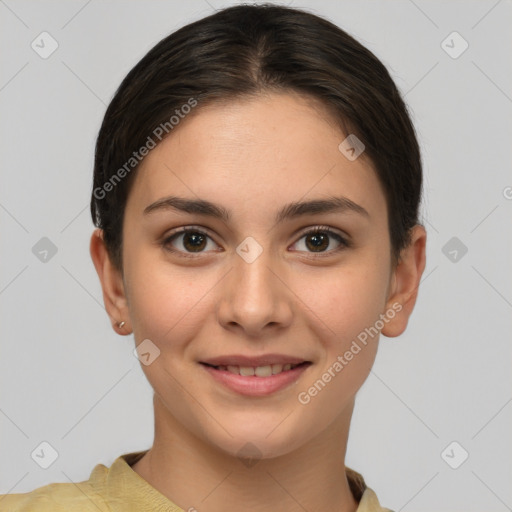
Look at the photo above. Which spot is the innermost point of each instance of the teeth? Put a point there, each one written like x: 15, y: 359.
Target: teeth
x: 263, y: 371
x: 277, y: 368
x: 258, y: 371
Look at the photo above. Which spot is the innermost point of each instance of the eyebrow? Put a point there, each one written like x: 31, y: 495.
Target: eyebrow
x: 288, y: 212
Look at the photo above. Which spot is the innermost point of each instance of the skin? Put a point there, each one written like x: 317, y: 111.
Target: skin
x: 253, y: 156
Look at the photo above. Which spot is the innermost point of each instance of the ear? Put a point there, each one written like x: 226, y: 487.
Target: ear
x: 405, y: 281
x: 112, y: 284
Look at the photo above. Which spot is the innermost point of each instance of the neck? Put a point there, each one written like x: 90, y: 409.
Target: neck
x: 197, y: 476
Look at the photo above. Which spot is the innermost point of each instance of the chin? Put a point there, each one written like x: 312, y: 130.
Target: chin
x: 257, y: 442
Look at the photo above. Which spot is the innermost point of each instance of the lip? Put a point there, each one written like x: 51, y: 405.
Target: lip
x: 257, y: 386
x: 263, y: 360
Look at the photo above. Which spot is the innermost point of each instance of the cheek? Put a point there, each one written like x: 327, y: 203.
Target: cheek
x: 343, y: 310
x: 343, y: 302
x: 350, y: 310
x: 168, y: 308
x: 166, y: 302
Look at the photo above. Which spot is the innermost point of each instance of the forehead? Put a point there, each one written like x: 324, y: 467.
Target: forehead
x: 256, y: 154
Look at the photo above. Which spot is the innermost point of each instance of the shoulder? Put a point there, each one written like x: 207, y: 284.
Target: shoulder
x: 107, y: 489
x: 364, y: 495
x: 370, y: 503
x: 56, y: 497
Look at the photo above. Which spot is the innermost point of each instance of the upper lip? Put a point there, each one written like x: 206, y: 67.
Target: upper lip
x: 263, y: 360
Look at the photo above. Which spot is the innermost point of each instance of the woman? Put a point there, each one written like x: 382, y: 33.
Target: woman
x: 256, y: 191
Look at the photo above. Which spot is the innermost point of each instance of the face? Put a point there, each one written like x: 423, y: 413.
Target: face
x: 257, y: 283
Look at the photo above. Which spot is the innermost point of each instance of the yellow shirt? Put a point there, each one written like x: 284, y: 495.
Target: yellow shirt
x: 120, y: 489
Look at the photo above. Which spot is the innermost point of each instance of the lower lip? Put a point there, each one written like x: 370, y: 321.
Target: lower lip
x: 256, y: 386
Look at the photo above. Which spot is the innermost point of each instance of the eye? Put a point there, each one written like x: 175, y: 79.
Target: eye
x: 189, y: 240
x: 192, y: 240
x: 319, y: 239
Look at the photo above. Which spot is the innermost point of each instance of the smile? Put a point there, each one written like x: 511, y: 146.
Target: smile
x: 258, y: 371
x: 256, y: 380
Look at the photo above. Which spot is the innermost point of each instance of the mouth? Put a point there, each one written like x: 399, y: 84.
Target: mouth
x: 258, y: 371
x: 256, y: 377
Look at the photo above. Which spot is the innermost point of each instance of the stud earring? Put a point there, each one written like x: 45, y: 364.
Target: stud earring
x: 121, y: 324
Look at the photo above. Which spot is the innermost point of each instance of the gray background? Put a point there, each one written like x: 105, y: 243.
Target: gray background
x: 68, y: 379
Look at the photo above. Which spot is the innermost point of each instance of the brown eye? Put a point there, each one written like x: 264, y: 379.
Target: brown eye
x: 187, y: 241
x: 194, y: 242
x: 318, y: 240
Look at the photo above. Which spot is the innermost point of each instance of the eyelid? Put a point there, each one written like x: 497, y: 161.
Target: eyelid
x: 323, y: 228
x: 185, y: 229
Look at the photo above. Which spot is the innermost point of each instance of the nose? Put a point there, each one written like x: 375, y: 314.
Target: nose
x: 255, y: 298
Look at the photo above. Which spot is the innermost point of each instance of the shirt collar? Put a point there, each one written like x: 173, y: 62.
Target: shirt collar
x: 120, y: 481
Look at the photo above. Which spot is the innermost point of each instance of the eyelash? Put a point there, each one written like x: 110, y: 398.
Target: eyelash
x: 344, y: 243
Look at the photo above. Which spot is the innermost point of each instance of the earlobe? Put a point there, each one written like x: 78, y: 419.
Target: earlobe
x: 406, y: 280
x: 112, y: 284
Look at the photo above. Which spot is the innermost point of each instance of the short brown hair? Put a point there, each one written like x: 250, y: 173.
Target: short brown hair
x: 242, y: 51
